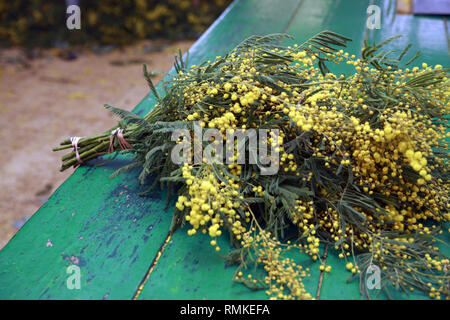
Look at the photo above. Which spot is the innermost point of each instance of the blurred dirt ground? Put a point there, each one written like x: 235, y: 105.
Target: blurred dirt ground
x: 55, y: 95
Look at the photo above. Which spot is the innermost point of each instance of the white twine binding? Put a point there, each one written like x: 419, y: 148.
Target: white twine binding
x: 74, y: 141
x: 124, y: 144
x: 111, y: 141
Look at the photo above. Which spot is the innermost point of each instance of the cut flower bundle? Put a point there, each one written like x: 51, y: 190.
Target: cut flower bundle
x: 363, y: 161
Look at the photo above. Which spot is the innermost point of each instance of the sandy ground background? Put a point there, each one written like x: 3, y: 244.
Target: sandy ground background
x: 55, y: 95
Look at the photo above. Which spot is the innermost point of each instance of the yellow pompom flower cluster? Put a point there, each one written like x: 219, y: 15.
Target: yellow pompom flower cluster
x: 227, y: 121
x: 388, y: 147
x: 211, y: 204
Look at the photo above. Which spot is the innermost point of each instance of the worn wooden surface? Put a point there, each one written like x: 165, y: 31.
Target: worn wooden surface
x: 114, y: 235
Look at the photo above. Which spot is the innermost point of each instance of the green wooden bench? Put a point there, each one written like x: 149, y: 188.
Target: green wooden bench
x: 116, y: 236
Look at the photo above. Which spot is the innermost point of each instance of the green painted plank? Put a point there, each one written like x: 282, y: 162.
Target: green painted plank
x: 189, y: 268
x: 89, y: 218
x: 428, y: 35
x: 97, y: 223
